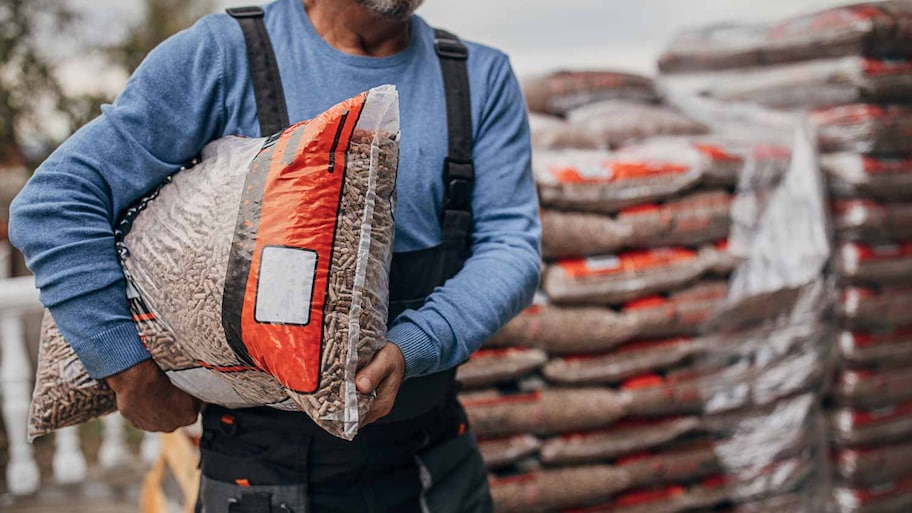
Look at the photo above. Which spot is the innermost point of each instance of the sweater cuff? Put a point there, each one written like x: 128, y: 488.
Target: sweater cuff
x: 112, y: 351
x: 417, y: 348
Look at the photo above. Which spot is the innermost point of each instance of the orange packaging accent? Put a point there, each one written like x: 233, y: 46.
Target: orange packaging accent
x: 289, y: 352
x: 630, y: 261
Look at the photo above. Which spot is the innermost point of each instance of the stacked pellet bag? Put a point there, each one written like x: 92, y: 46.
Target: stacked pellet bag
x: 307, y: 215
x: 611, y: 393
x: 850, y: 68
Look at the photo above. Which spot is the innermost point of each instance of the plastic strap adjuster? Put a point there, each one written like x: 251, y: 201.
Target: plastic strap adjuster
x: 245, y: 12
x: 451, y: 48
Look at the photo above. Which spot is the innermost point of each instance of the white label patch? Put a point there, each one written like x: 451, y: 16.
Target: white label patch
x: 285, y: 285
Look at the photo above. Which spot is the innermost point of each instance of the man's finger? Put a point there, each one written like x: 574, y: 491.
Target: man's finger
x: 368, y: 379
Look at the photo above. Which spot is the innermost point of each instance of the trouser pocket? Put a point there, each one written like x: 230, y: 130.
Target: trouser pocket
x: 222, y: 497
x: 453, y: 477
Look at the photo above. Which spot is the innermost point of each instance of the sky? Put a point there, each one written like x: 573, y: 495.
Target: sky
x: 539, y: 35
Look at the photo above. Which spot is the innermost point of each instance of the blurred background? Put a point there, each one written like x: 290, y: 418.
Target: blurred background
x: 652, y: 404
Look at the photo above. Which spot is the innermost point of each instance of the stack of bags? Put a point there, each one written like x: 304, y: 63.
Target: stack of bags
x: 851, y: 67
x: 611, y: 393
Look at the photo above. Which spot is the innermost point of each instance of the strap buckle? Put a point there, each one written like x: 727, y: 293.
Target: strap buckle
x: 460, y: 179
x: 245, y: 12
x: 451, y: 48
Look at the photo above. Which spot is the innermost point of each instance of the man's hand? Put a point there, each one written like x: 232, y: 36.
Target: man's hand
x: 384, y: 374
x: 146, y: 397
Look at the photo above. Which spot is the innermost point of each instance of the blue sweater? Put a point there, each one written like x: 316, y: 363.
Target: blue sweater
x: 196, y: 87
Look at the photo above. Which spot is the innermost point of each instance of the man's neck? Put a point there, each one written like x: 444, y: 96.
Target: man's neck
x: 352, y: 29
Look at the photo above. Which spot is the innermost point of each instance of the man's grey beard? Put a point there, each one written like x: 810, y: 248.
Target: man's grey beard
x: 394, y: 9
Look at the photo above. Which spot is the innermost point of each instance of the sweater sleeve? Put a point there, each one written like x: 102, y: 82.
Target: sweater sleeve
x: 63, y: 219
x: 502, y: 273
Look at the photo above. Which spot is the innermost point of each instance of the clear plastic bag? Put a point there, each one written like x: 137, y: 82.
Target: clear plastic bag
x: 867, y: 220
x: 562, y: 91
x: 817, y: 83
x: 853, y: 175
x: 872, y: 28
x: 864, y: 127
x: 231, y: 235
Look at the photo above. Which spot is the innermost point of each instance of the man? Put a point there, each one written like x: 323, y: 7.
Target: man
x: 466, y: 248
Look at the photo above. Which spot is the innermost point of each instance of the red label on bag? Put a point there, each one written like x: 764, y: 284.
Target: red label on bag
x: 876, y: 165
x: 882, y: 252
x: 645, y: 381
x: 630, y: 261
x: 647, y: 303
x: 616, y: 171
x: 876, y: 67
x: 716, y: 153
x: 306, y: 159
x: 879, y: 415
x: 870, y: 339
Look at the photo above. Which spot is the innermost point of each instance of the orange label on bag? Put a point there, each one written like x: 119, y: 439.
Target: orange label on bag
x: 716, y: 153
x: 630, y: 261
x: 307, y: 161
x: 647, y: 303
x: 876, y: 165
x: 616, y: 171
x: 876, y: 67
x: 882, y: 251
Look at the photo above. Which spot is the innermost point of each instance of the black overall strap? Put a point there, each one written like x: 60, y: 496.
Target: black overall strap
x: 458, y: 168
x: 267, y: 84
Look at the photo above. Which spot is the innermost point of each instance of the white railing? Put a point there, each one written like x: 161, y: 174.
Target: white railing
x: 18, y: 298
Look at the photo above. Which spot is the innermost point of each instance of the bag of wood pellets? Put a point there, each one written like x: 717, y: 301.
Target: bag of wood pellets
x: 605, y: 182
x: 879, y: 264
x: 622, y: 439
x: 505, y: 451
x: 681, y: 313
x: 877, y: 349
x: 873, y: 387
x: 864, y: 127
x: 260, y: 275
x: 565, y: 329
x: 562, y: 91
x: 488, y: 367
x: 868, y: 426
x: 625, y: 362
x: 886, y: 497
x: 867, y: 220
x: 626, y: 276
x: 557, y: 489
x: 550, y: 132
x: 876, y: 307
x: 852, y: 175
x: 871, y: 28
x: 615, y: 122
x: 867, y: 466
x: 817, y: 83
x: 695, y: 219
